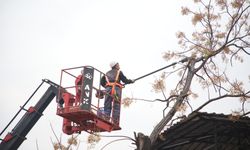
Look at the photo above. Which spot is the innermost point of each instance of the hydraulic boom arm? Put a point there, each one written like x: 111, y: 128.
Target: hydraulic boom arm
x: 16, y: 137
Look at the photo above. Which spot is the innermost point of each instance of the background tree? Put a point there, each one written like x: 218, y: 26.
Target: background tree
x: 220, y: 40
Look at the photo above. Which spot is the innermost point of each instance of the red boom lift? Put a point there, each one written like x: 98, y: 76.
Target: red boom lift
x: 79, y: 103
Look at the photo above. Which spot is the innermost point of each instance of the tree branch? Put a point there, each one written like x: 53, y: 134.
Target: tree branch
x: 58, y: 141
x: 221, y: 97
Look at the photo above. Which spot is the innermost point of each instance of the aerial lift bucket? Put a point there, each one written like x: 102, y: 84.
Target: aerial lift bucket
x: 81, y: 111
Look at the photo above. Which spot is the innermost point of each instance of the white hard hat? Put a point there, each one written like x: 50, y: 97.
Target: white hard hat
x: 113, y: 63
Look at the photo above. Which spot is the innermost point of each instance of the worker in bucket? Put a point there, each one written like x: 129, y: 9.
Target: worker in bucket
x: 78, y: 84
x: 113, y: 87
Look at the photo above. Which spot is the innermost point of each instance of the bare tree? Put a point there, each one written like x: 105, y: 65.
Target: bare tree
x: 220, y: 40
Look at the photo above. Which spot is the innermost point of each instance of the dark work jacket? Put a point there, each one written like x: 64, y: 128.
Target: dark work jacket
x: 111, y: 76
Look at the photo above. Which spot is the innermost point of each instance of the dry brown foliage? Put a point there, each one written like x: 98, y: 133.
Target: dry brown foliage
x: 235, y: 116
x: 219, y: 40
x: 159, y: 84
x: 94, y: 138
x: 126, y: 102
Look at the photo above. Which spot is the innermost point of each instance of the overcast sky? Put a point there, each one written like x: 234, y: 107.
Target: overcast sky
x: 38, y: 38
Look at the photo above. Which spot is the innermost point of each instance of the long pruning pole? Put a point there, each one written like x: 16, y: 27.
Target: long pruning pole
x: 182, y: 61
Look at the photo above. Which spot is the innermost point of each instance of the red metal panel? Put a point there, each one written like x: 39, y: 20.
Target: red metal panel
x: 8, y: 137
x: 86, y: 121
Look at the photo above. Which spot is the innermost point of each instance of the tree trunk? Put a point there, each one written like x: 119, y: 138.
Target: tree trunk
x: 160, y: 126
x: 142, y: 142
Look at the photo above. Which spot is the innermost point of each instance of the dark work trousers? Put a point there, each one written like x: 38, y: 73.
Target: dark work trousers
x: 108, y: 104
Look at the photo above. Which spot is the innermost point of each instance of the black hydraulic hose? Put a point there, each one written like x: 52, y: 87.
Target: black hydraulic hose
x: 182, y: 61
x: 21, y: 108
